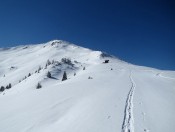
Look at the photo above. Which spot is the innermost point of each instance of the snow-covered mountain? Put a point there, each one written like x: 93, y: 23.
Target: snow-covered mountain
x: 96, y: 97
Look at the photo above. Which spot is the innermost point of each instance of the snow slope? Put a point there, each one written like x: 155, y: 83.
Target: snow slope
x: 119, y: 97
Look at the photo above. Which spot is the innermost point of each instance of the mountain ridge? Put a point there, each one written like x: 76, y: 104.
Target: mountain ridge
x: 101, y: 93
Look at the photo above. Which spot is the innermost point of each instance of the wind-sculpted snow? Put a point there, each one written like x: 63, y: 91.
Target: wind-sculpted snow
x: 101, y: 93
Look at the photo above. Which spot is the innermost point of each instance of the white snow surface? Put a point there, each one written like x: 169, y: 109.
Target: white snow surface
x: 119, y: 97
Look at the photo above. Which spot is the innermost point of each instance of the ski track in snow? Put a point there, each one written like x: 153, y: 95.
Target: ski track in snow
x: 128, y: 122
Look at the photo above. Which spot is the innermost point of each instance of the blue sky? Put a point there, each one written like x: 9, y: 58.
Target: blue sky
x: 140, y: 32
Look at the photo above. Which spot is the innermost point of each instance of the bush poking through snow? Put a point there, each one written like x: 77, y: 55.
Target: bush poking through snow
x: 49, y: 74
x: 84, y: 68
x: 66, y: 61
x: 38, y: 86
x: 48, y: 62
x: 39, y: 69
x: 2, y: 88
x: 90, y: 77
x: 64, y: 76
x: 29, y: 75
x: 8, y: 86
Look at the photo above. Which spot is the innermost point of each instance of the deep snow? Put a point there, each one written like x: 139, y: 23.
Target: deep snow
x: 120, y: 97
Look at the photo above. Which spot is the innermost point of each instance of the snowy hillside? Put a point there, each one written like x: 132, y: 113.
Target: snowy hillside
x: 96, y: 97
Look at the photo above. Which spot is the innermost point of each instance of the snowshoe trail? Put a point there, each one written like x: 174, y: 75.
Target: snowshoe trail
x: 128, y: 122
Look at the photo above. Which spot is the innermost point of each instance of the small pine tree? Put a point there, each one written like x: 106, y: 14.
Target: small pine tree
x: 49, y: 74
x: 38, y: 86
x: 39, y: 69
x: 2, y: 88
x: 10, y: 85
x: 48, y: 62
x: 84, y: 68
x: 90, y: 77
x: 64, y: 76
x: 7, y: 87
x: 29, y: 75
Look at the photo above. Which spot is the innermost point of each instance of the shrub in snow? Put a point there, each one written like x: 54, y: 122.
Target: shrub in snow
x: 84, y: 68
x: 90, y: 77
x: 74, y: 74
x: 2, y: 88
x: 48, y: 62
x: 64, y: 76
x: 53, y: 43
x: 8, y: 86
x: 29, y: 75
x: 39, y: 69
x: 66, y: 60
x: 49, y: 74
x: 111, y: 69
x: 38, y: 86
x: 12, y: 67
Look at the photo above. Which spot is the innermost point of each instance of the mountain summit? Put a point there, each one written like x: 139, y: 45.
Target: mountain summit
x: 59, y: 86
